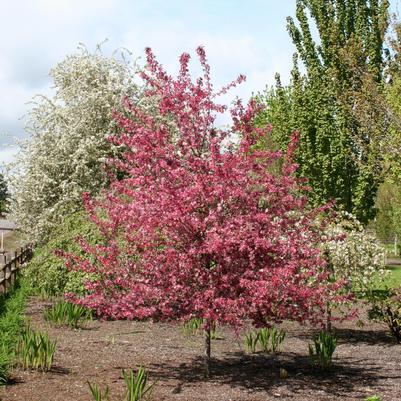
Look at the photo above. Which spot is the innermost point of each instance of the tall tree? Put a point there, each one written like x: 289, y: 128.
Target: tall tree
x: 68, y: 145
x: 338, y: 153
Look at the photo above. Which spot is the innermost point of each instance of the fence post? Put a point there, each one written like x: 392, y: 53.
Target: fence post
x: 8, y: 272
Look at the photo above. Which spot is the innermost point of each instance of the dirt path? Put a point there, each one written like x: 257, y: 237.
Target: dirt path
x: 367, y: 362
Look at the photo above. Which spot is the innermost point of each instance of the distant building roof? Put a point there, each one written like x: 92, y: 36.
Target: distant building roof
x: 7, y: 225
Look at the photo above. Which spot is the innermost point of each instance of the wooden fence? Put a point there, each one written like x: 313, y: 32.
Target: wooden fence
x: 9, y: 266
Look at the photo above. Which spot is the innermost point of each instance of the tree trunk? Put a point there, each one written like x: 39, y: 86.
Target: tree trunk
x: 328, y: 315
x: 207, y: 353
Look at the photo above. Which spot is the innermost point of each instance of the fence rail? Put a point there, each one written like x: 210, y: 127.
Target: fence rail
x: 9, y: 265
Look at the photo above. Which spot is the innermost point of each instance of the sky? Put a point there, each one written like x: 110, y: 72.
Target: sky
x: 247, y: 37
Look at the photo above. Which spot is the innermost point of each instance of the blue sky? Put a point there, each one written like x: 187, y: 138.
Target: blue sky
x: 239, y: 36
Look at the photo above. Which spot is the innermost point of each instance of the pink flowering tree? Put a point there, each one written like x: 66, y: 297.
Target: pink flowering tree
x: 198, y: 226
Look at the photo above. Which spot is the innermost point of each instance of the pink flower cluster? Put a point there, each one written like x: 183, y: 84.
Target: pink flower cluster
x: 199, y: 226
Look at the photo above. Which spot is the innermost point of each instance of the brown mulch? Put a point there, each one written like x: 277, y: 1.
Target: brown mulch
x: 367, y: 362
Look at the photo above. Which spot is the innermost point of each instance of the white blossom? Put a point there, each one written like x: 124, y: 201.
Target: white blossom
x: 68, y: 144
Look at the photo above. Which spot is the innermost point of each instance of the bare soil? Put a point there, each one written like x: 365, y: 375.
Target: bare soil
x: 367, y: 362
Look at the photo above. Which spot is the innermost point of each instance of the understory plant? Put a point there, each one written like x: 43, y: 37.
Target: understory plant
x: 67, y: 314
x: 36, y: 350
x: 354, y: 255
x: 322, y: 349
x: 195, y: 224
x: 46, y: 272
x: 269, y: 339
x: 195, y: 326
x: 386, y: 308
x: 137, y: 387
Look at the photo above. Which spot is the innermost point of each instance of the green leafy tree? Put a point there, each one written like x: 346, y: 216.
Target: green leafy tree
x: 338, y: 150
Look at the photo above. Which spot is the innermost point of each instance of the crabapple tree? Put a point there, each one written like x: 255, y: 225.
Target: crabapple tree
x: 199, y: 226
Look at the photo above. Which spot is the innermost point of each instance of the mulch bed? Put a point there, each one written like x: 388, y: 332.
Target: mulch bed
x: 367, y: 362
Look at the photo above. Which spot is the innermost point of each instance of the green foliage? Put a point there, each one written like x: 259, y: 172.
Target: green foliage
x: 339, y: 151
x: 67, y: 314
x: 11, y: 325
x: 322, y: 349
x: 194, y: 327
x: 36, y: 350
x: 137, y: 387
x: 46, y: 272
x: 97, y: 393
x: 388, y: 203
x: 386, y: 308
x: 5, y: 364
x: 251, y: 341
x: 373, y: 398
x: 269, y: 339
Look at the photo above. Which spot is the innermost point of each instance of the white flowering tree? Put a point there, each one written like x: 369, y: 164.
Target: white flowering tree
x: 68, y: 140
x: 355, y: 255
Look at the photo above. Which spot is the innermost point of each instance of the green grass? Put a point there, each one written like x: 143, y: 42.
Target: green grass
x: 67, y: 314
x: 12, y: 307
x: 394, y: 278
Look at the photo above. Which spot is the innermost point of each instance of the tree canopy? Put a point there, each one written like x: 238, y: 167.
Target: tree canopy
x: 338, y: 153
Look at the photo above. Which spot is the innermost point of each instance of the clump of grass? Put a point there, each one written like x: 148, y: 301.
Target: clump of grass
x: 251, y: 341
x: 137, y: 387
x: 322, y: 349
x: 67, y: 314
x: 194, y: 327
x: 97, y: 393
x: 4, y: 365
x: 267, y: 339
x: 36, y: 350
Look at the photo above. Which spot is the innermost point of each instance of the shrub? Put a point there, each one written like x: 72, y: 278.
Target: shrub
x: 322, y: 349
x: 46, y: 272
x: 67, y: 314
x: 386, y: 308
x: 354, y: 255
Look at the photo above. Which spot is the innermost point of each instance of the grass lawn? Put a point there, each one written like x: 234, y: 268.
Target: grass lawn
x: 394, y: 278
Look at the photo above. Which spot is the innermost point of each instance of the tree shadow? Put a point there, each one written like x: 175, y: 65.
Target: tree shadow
x: 371, y: 337
x: 260, y: 372
x: 354, y: 336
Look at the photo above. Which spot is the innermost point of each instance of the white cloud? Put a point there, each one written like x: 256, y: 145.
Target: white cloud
x: 240, y: 39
